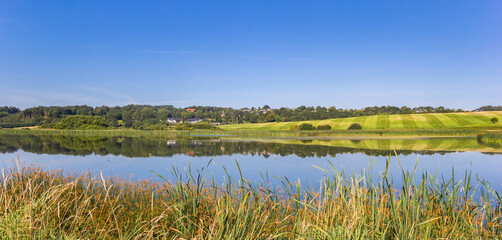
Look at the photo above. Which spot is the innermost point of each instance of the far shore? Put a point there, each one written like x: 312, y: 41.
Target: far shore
x: 315, y: 134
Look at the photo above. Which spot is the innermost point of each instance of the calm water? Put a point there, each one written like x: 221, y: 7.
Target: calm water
x: 137, y: 157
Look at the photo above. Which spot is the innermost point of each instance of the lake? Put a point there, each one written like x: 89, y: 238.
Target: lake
x: 293, y: 158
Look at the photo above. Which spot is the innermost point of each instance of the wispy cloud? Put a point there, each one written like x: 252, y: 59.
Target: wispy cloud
x: 275, y: 58
x: 171, y: 52
x: 256, y: 57
x: 298, y: 58
x: 176, y: 103
x: 30, y: 98
x: 182, y: 101
x: 119, y: 98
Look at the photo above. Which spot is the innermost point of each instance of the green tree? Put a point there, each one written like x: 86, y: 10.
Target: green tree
x: 355, y: 126
x: 324, y: 127
x: 270, y: 117
x: 82, y: 122
x: 494, y: 120
x: 306, y: 126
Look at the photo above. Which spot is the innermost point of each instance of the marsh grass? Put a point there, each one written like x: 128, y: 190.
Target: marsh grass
x: 40, y: 204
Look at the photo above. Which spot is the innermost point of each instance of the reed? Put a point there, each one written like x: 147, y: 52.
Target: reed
x: 40, y: 204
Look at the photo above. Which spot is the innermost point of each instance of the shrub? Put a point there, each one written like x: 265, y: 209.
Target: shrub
x: 306, y: 126
x: 494, y: 120
x: 82, y: 122
x: 183, y: 126
x: 355, y: 126
x: 324, y: 127
x: 137, y: 125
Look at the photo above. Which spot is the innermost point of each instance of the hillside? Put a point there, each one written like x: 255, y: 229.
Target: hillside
x: 398, y: 121
x: 412, y: 144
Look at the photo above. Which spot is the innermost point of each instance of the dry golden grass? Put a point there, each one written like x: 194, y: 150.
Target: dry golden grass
x: 39, y: 204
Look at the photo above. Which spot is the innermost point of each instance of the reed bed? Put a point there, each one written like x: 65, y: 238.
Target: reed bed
x: 41, y: 204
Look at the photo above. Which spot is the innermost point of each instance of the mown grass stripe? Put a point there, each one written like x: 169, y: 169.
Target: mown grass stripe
x: 434, y: 121
x: 480, y: 119
x: 371, y: 122
x: 408, y: 121
x: 383, y: 122
x: 421, y: 121
x: 395, y: 122
x: 461, y: 121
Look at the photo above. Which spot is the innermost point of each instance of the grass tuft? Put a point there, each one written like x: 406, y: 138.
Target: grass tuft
x: 40, y: 204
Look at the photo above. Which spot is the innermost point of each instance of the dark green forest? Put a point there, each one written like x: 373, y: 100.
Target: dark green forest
x: 147, y: 117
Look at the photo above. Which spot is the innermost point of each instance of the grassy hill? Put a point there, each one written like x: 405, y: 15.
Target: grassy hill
x: 413, y: 144
x: 399, y: 121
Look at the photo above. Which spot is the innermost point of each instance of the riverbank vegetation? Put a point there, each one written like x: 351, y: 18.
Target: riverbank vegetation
x: 157, y: 117
x: 40, y: 204
x: 401, y: 125
x: 355, y: 134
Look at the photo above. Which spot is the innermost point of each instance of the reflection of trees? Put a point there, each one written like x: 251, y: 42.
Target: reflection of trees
x: 161, y: 146
x: 490, y: 140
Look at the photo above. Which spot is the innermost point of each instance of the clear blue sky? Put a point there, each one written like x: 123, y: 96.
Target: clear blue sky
x: 349, y: 54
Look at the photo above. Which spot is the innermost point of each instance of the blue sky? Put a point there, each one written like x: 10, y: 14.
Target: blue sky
x: 349, y: 54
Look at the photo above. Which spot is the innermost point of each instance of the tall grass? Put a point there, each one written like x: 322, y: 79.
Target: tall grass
x: 40, y: 204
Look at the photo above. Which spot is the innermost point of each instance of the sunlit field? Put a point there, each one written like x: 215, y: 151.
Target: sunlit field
x: 386, y: 122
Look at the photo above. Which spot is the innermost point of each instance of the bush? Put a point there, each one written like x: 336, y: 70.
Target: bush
x: 494, y: 120
x: 355, y: 126
x: 183, y: 126
x: 137, y: 125
x: 306, y: 126
x: 324, y: 127
x: 82, y: 122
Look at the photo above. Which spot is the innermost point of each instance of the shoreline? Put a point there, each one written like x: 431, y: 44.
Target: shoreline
x: 315, y: 134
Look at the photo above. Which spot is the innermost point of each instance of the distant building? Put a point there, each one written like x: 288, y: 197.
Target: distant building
x: 190, y: 120
x: 171, y: 142
x: 195, y: 120
x: 190, y: 109
x: 174, y: 120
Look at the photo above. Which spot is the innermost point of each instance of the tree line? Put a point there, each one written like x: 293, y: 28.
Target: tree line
x: 155, y: 117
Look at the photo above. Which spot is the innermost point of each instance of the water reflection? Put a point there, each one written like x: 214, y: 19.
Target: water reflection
x: 81, y: 145
x: 293, y: 158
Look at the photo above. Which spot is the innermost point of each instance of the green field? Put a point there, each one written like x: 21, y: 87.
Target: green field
x: 412, y: 144
x: 463, y: 120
